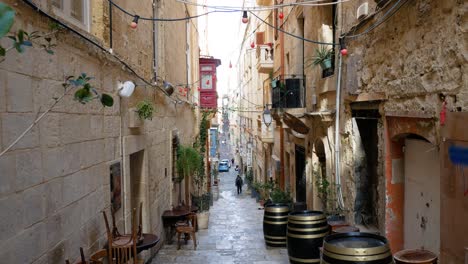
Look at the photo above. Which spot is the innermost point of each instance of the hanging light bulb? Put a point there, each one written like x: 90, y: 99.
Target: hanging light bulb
x: 252, y: 45
x: 281, y: 15
x: 245, y: 19
x: 134, y: 23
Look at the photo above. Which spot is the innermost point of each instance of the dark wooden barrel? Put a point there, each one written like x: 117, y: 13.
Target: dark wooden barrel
x: 345, y: 229
x: 356, y: 248
x: 306, y: 230
x: 415, y: 256
x: 275, y: 221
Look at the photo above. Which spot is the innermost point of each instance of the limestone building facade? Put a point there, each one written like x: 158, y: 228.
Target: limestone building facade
x: 56, y: 181
x: 404, y: 73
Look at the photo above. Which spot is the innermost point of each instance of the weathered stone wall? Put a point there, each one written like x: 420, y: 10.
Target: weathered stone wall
x: 417, y: 54
x: 55, y: 182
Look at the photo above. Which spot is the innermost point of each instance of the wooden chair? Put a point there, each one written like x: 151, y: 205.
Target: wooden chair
x: 98, y: 257
x: 115, y: 231
x: 82, y: 257
x: 140, y: 223
x: 188, y: 229
x: 122, y: 249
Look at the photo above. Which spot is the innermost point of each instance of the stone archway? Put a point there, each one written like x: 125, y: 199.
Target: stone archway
x: 403, y: 168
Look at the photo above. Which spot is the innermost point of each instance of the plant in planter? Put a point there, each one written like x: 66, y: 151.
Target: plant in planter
x: 145, y: 110
x: 264, y: 191
x: 279, y: 196
x: 327, y: 194
x: 202, y: 199
x: 256, y: 190
x: 215, y: 173
x: 323, y: 57
x: 249, y: 177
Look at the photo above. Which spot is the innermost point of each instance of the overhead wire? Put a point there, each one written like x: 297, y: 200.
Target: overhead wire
x: 383, y: 19
x: 292, y: 35
x: 169, y: 19
x: 265, y: 8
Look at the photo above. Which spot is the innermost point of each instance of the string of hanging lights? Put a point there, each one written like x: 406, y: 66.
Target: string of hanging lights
x: 266, y: 8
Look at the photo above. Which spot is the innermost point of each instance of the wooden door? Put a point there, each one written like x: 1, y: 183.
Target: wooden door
x: 422, y: 195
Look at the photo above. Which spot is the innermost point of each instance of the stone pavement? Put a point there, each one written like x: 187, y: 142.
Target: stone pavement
x: 234, y: 235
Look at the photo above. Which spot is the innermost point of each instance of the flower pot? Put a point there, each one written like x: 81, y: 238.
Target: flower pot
x: 215, y: 191
x: 262, y: 202
x: 202, y: 220
x: 326, y: 64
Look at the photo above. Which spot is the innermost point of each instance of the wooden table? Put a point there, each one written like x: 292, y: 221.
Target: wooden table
x: 149, y: 241
x: 170, y: 218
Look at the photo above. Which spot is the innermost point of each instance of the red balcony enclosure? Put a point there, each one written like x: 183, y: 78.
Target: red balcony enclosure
x: 208, y: 81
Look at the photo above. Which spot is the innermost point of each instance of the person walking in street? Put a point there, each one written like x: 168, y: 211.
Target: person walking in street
x: 239, y: 184
x: 232, y: 161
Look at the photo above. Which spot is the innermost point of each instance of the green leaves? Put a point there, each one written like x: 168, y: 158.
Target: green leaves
x: 188, y: 163
x: 7, y: 16
x: 20, y: 40
x: 85, y: 93
x: 145, y: 109
x: 107, y: 100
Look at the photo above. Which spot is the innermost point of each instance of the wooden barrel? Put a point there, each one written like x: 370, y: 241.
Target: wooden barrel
x: 275, y: 221
x: 356, y: 248
x: 345, y: 229
x: 306, y: 230
x: 415, y: 256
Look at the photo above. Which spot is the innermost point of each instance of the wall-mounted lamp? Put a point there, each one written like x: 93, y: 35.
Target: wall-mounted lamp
x: 165, y: 86
x: 126, y: 88
x: 267, y: 119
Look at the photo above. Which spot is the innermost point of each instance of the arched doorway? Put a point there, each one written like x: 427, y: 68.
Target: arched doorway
x: 421, y: 206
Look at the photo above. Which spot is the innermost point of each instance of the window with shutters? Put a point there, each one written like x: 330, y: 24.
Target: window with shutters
x: 76, y: 12
x: 260, y: 38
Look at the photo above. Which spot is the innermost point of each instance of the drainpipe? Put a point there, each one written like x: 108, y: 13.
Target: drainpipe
x: 122, y: 170
x: 337, y: 134
x: 155, y: 41
x: 281, y: 125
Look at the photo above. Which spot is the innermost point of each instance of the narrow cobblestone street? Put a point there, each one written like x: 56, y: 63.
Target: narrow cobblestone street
x: 234, y: 234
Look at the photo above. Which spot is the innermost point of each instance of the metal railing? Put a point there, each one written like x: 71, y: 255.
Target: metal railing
x: 289, y: 92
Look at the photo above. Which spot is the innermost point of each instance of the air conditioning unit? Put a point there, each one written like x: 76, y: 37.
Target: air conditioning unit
x: 363, y: 11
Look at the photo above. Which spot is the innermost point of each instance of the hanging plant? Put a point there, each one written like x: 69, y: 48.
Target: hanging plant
x: 145, y: 109
x: 323, y: 57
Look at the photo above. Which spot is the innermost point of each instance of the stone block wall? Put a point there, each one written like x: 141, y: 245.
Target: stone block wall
x: 55, y: 182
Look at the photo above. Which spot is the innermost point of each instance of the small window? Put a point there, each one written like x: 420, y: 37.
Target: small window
x: 74, y: 11
x: 206, y: 68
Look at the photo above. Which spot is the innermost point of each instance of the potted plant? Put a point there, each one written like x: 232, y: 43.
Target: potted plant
x: 249, y: 177
x: 202, y: 200
x: 279, y: 196
x: 265, y: 190
x: 326, y: 191
x: 323, y: 57
x: 256, y: 190
x: 145, y: 110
